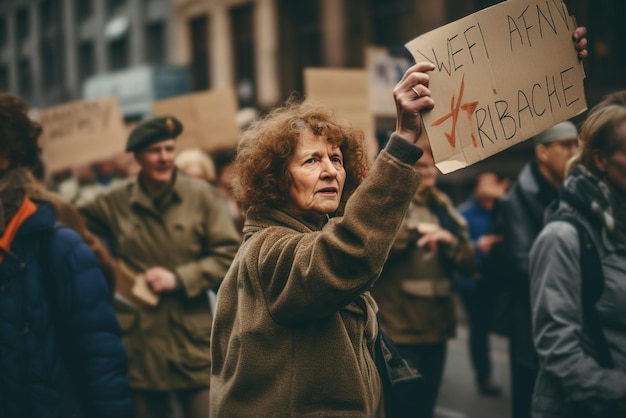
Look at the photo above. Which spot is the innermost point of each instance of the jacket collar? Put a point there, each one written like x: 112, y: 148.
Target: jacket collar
x: 258, y: 218
x: 41, y: 220
x: 173, y: 194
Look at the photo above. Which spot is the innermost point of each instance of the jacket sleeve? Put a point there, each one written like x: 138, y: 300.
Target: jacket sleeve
x: 557, y: 317
x: 517, y: 234
x: 89, y: 332
x: 307, y: 276
x: 221, y: 242
x: 97, y: 215
x: 461, y: 254
x: 406, y: 239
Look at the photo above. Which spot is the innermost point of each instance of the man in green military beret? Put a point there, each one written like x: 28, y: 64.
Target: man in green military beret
x: 175, y: 232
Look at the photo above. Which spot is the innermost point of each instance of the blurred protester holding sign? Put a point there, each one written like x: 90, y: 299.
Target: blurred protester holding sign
x: 414, y: 292
x: 60, y: 341
x: 174, y: 241
x: 577, y: 278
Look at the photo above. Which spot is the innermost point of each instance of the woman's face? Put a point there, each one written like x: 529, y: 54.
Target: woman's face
x: 614, y: 165
x: 426, y: 166
x: 317, y: 175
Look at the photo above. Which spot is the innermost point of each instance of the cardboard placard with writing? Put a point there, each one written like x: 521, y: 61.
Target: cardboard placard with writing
x: 81, y: 132
x: 346, y: 91
x: 208, y: 118
x: 502, y: 75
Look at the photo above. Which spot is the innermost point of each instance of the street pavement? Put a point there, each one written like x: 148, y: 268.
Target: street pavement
x: 458, y: 397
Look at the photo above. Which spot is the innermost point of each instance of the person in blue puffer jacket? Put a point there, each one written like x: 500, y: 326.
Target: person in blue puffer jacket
x: 60, y: 349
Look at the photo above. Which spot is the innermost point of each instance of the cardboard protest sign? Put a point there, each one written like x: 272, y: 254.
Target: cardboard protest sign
x: 346, y: 91
x: 208, y: 118
x: 81, y: 132
x: 384, y: 72
x: 502, y: 75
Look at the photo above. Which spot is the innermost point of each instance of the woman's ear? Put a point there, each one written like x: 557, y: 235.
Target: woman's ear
x: 599, y: 160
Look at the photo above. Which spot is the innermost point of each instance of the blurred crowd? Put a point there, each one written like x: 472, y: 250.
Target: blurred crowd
x: 252, y: 281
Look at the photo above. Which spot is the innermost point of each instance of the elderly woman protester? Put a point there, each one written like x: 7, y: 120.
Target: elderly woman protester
x: 295, y: 324
x: 582, y: 360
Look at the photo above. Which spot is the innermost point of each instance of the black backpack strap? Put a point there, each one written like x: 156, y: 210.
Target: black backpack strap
x: 592, y: 286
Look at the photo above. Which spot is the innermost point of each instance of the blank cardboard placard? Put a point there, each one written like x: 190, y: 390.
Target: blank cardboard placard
x: 346, y: 91
x: 208, y: 118
x: 81, y: 132
x: 502, y: 75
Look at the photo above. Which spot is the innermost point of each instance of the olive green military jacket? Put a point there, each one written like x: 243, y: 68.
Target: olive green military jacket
x: 414, y: 292
x: 191, y: 234
x: 295, y: 324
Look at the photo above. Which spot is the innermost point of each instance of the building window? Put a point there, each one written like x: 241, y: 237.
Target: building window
x: 25, y: 79
x: 242, y: 18
x: 52, y: 56
x: 118, y: 53
x: 114, y: 5
x: 300, y: 41
x: 22, y: 26
x: 83, y: 9
x: 48, y: 13
x: 199, y: 36
x: 156, y: 43
x: 392, y: 21
x: 4, y: 77
x: 3, y: 32
x: 86, y: 65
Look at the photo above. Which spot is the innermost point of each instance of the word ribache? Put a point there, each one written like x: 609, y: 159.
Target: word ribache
x: 501, y: 120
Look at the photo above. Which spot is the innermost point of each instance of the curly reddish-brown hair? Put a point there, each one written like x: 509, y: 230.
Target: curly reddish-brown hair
x: 18, y: 133
x: 266, y: 148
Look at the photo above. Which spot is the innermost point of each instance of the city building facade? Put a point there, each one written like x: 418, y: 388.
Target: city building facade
x: 54, y: 51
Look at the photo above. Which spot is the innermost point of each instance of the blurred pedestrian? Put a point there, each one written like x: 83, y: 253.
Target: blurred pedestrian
x: 295, y: 325
x: 60, y: 341
x: 582, y: 359
x: 174, y: 232
x: 521, y: 213
x: 414, y: 292
x: 224, y: 161
x: 477, y: 296
x: 196, y: 163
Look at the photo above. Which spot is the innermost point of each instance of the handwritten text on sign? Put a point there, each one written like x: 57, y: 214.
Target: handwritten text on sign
x: 81, y: 132
x: 502, y: 75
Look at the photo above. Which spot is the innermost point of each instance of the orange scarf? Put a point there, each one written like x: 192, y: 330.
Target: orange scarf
x: 27, y: 209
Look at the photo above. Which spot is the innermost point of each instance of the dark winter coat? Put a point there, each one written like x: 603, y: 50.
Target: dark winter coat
x: 522, y: 211
x: 54, y: 307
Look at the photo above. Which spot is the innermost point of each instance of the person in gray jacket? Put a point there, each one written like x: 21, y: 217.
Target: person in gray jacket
x: 571, y: 383
x: 520, y: 215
